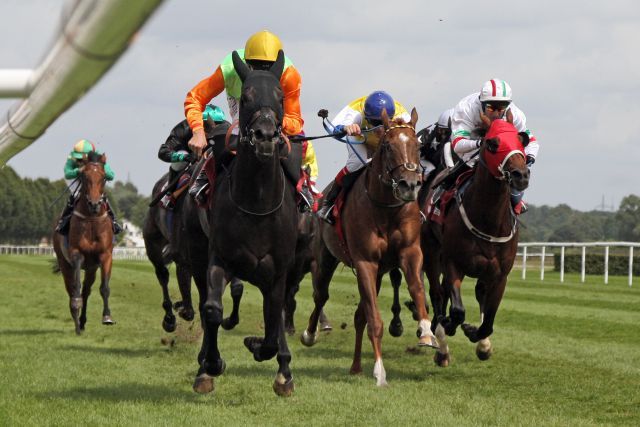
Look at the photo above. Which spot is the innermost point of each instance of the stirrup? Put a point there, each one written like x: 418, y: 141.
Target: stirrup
x: 199, y: 193
x: 325, y: 214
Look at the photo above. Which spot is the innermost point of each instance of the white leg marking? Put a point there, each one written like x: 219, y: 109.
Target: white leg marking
x: 442, y: 340
x: 484, y: 345
x: 379, y: 373
x: 426, y: 336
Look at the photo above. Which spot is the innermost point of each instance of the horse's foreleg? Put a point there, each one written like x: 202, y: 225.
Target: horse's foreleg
x: 395, y: 327
x: 367, y: 273
x: 452, y: 281
x: 491, y: 302
x: 326, y: 265
x: 89, y: 278
x: 359, y: 321
x: 411, y: 264
x: 185, y: 307
x: 211, y: 364
x: 237, y: 289
x: 105, y: 276
x: 75, y: 303
x: 199, y: 271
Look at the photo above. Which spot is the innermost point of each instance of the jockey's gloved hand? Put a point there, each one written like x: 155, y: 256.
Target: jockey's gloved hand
x: 530, y: 160
x: 189, y: 157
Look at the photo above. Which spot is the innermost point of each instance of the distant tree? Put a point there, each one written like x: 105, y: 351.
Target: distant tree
x: 628, y: 218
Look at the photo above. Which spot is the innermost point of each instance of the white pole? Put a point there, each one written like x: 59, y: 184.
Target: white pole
x: 542, y: 263
x: 561, y: 264
x: 606, y: 265
x: 630, y: 265
x: 524, y: 262
x: 582, y: 269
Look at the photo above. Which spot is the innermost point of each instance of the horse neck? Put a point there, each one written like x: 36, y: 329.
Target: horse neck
x: 377, y: 190
x: 487, y: 201
x: 256, y: 184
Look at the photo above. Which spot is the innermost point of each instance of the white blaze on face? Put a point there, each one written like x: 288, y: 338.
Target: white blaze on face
x: 379, y: 373
x: 404, y: 138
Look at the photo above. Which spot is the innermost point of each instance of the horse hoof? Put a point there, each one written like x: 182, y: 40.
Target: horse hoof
x: 441, y: 360
x: 253, y: 344
x: 282, y: 387
x: 187, y: 314
x: 428, y: 341
x: 484, y: 355
x: 169, y: 326
x: 355, y: 370
x: 229, y: 323
x: 326, y: 327
x: 107, y: 320
x: 308, y: 339
x: 470, y: 332
x: 78, y: 331
x: 203, y: 384
x: 290, y: 330
x: 396, y: 329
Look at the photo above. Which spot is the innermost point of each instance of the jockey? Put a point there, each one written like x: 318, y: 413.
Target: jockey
x: 433, y: 141
x: 363, y: 113
x: 175, y: 149
x: 260, y: 52
x: 495, y: 102
x: 310, y: 165
x: 71, y: 171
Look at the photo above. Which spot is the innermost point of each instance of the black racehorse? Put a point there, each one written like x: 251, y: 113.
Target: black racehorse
x: 164, y: 243
x: 254, y: 223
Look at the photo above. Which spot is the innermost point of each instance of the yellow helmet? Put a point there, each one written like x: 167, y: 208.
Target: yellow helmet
x: 262, y: 46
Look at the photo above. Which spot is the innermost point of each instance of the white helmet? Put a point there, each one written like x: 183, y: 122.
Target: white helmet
x: 495, y: 90
x: 445, y: 117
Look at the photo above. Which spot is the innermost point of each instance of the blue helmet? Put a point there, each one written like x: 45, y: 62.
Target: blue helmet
x: 376, y: 102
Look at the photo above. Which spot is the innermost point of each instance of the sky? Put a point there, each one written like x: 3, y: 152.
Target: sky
x: 573, y: 67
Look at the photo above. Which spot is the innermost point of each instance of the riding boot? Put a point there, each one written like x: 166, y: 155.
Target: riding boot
x: 65, y: 217
x: 324, y: 213
x: 117, y: 229
x: 199, y: 188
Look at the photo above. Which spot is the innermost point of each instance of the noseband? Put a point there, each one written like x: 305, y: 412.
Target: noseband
x: 248, y: 134
x: 505, y: 175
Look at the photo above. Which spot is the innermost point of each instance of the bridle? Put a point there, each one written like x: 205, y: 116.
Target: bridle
x: 90, y: 202
x: 387, y: 177
x: 504, y: 174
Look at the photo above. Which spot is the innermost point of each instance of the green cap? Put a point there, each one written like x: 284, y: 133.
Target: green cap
x: 214, y: 112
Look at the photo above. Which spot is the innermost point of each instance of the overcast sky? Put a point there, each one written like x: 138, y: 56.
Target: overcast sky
x: 573, y: 66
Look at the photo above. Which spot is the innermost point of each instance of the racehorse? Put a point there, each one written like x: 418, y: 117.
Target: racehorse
x: 164, y: 242
x: 89, y: 244
x: 479, y: 238
x: 381, y: 229
x: 253, y: 224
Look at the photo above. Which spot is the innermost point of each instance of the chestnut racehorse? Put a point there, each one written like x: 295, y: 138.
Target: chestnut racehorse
x: 479, y: 238
x: 381, y: 224
x: 90, y: 243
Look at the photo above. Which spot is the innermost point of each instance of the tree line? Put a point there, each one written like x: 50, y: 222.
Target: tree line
x: 29, y: 209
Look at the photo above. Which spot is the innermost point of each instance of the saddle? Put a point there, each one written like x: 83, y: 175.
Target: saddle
x: 436, y: 208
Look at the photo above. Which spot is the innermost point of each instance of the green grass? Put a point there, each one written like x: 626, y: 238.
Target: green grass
x: 564, y: 354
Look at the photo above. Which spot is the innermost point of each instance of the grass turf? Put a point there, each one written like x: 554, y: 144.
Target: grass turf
x: 564, y: 354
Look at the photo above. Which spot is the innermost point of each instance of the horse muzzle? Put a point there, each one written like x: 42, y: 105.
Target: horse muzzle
x: 407, y: 190
x: 519, y: 179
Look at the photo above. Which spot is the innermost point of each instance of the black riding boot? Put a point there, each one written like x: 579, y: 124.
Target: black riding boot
x: 199, y: 188
x: 117, y: 229
x: 65, y: 217
x: 327, y: 203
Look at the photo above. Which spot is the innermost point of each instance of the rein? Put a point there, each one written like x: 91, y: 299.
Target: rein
x: 259, y: 213
x: 411, y: 167
x: 505, y: 176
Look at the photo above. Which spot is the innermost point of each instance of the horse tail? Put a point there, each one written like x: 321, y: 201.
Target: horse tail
x: 55, y: 267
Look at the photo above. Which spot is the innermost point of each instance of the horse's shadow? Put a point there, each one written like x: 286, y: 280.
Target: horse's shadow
x: 128, y: 352
x: 128, y: 392
x: 29, y: 332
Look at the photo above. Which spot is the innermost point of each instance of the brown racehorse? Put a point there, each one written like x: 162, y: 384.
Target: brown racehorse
x: 90, y: 243
x: 381, y: 223
x: 479, y: 238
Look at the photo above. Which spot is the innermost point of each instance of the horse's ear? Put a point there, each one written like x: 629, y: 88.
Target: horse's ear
x: 103, y: 158
x: 492, y: 144
x: 509, y: 116
x: 385, y: 118
x: 524, y: 138
x: 414, y: 117
x: 241, y: 68
x: 278, y: 67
